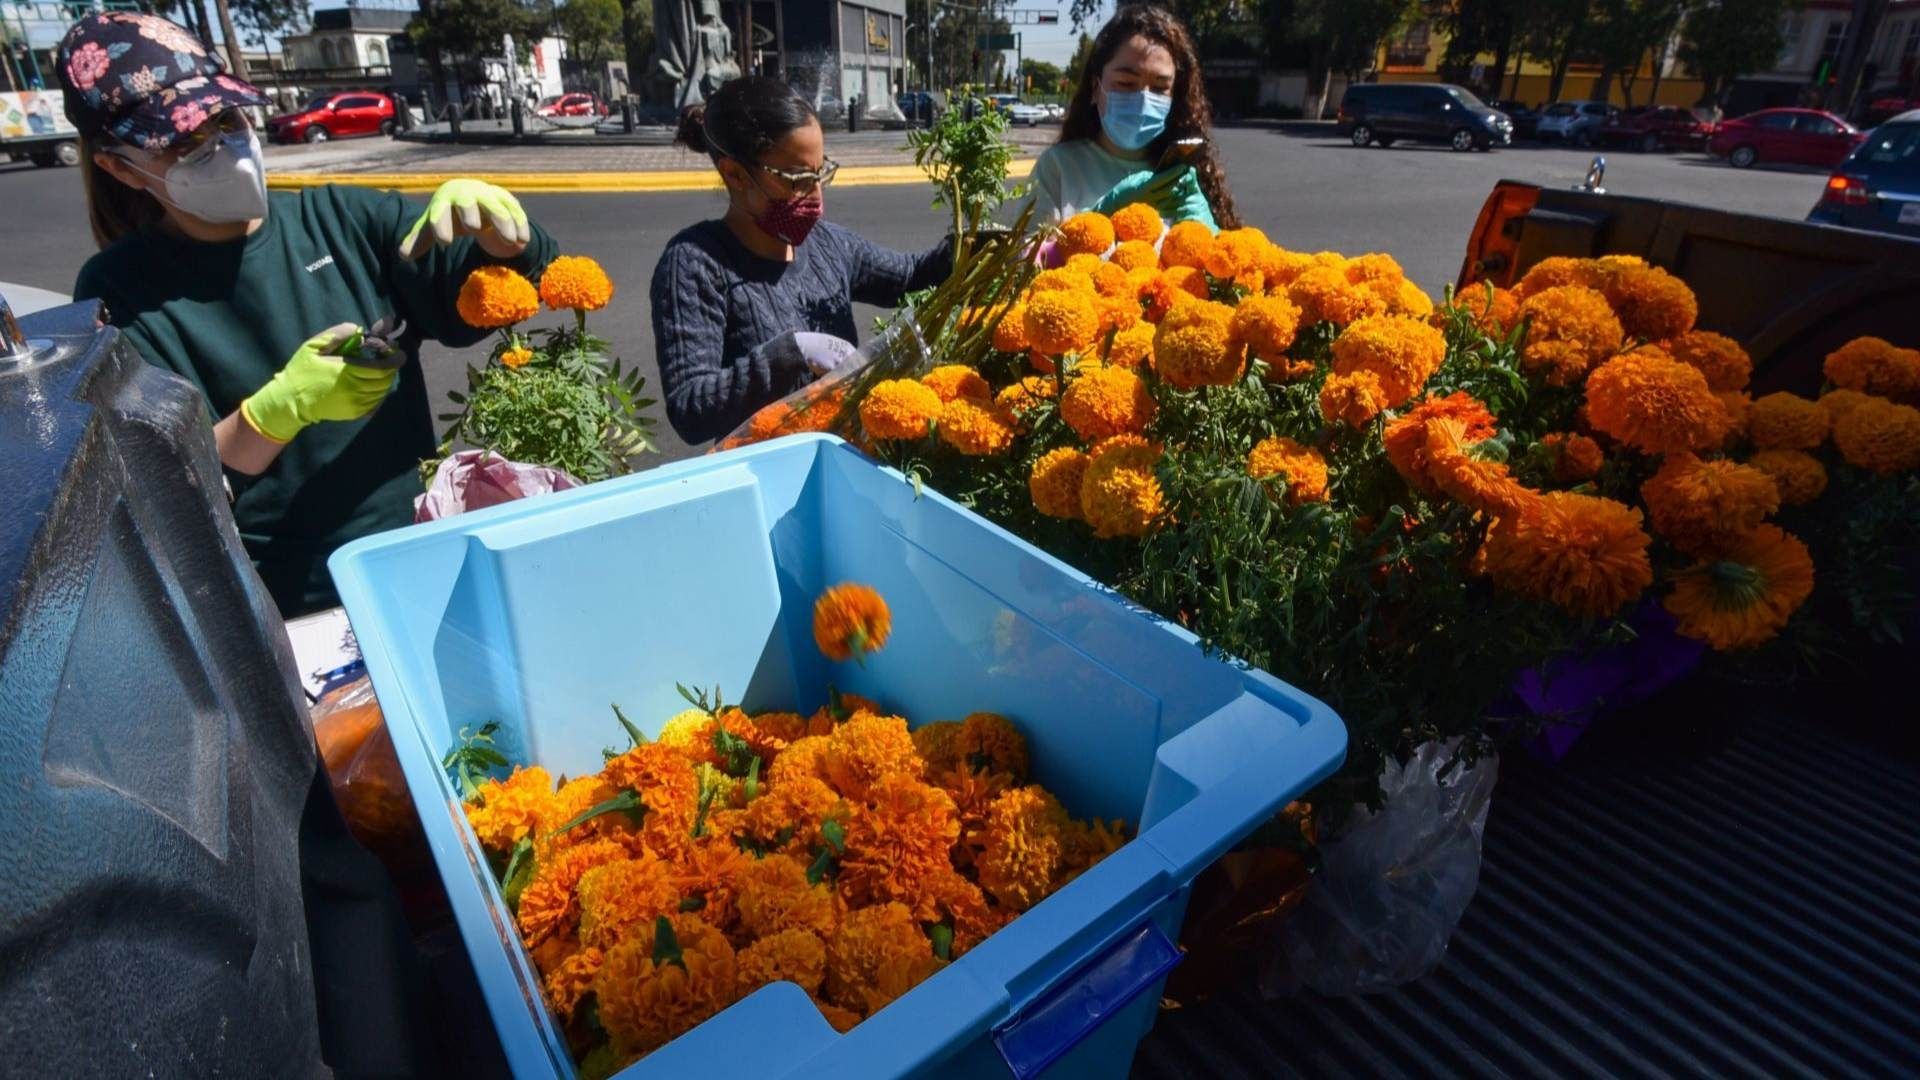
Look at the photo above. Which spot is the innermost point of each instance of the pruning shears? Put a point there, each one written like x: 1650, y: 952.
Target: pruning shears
x: 378, y: 346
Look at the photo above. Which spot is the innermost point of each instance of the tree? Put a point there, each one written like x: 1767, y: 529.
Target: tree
x: 471, y: 29
x: 1726, y: 39
x: 1476, y: 27
x: 1337, y: 36
x: 1624, y: 32
x: 1041, y: 76
x: 1082, y: 12
x: 1553, y: 32
x: 592, y: 26
x: 1082, y: 53
x: 263, y: 20
x: 636, y: 37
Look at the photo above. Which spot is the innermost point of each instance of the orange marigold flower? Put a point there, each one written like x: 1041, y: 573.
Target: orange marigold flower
x: 774, y: 895
x: 1873, y: 365
x: 571, y: 981
x: 963, y: 905
x: 575, y: 283
x: 977, y: 427
x: 1494, y: 310
x: 897, y: 844
x: 1655, y: 404
x: 1569, y: 330
x: 1087, y: 842
x: 1405, y: 298
x: 1085, y: 264
x: 1055, y: 482
x: 989, y: 741
x: 708, y: 875
x: 1576, y: 458
x: 1107, y: 401
x: 1119, y: 493
x: 548, y: 905
x: 503, y: 813
x: 1188, y: 280
x: 1116, y: 313
x: 875, y: 955
x: 973, y: 792
x: 1783, y: 421
x: 1234, y: 252
x: 1195, y: 346
x: 1111, y: 280
x: 841, y: 1020
x: 1702, y: 507
x: 1747, y: 594
x: 1738, y: 407
x: 574, y: 798
x: 795, y: 956
x: 1323, y: 294
x: 1279, y: 267
x: 1300, y: 469
x: 899, y: 409
x: 850, y: 619
x: 1403, y: 352
x: 1799, y: 475
x: 1023, y: 848
x: 1487, y: 486
x: 952, y: 381
x: 1558, y: 271
x: 801, y: 758
x: 938, y: 745
x: 496, y: 296
x: 518, y: 356
x: 1134, y: 254
x: 1010, y: 333
x: 1061, y: 321
x: 1840, y: 402
x: 1187, y: 243
x: 1026, y: 394
x: 1372, y: 267
x: 1086, y: 233
x: 1353, y: 400
x: 1586, y: 554
x: 647, y: 1002
x: 866, y: 750
x: 664, y: 779
x: 1653, y: 305
x: 789, y: 815
x: 1061, y: 279
x: 785, y: 727
x: 1880, y: 436
x: 1720, y: 358
x: 1405, y: 438
x: 618, y: 896
x: 1266, y: 325
x: 1133, y: 346
x: 1137, y: 223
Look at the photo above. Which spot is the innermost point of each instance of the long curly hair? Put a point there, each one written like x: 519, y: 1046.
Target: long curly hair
x: 1191, y: 114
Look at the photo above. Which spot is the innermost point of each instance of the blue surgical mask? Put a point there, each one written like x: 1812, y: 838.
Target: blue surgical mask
x: 1134, y: 118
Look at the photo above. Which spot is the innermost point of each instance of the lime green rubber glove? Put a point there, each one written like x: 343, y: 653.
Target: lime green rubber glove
x: 317, y: 385
x: 469, y: 208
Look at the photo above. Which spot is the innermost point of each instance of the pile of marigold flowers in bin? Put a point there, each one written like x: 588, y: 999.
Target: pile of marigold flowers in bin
x: 1399, y: 505
x: 842, y: 851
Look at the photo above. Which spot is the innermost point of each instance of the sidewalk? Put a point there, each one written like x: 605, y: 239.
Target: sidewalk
x: 867, y: 157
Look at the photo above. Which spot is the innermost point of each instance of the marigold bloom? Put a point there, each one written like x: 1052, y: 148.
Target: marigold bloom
x: 1873, y: 365
x: 1116, y: 313
x: 899, y: 409
x: 784, y: 727
x: 850, y: 619
x: 572, y: 980
x: 1403, y: 352
x: 1655, y: 404
x: 1119, y: 493
x: 1279, y: 267
x: 773, y: 895
x: 1061, y: 279
x: 1133, y: 346
x: 1188, y: 280
x: 866, y: 750
x: 1405, y: 298
x: 1558, y: 271
x: 1026, y: 394
x: 841, y: 1020
x: 1055, y: 482
x: 503, y: 813
x: 518, y: 356
x: 1799, y: 475
x: 1301, y: 469
x: 1111, y: 280
x: 1195, y: 346
x: 875, y: 955
x: 1134, y: 254
x: 616, y: 897
x: 665, y: 781
x: 1570, y: 329
x: 548, y: 905
x: 1086, y: 233
x: 1840, y: 402
x: 1010, y: 333
x: 1373, y: 266
x: 1084, y: 264
x: 938, y: 745
x: 1061, y: 321
x: 1023, y: 849
x: 1783, y: 421
x: 1744, y: 597
x: 795, y: 956
x: 1702, y: 507
x: 977, y: 427
x: 952, y: 381
x: 989, y: 741
x: 1323, y: 294
x: 645, y: 1004
x: 1266, y: 325
x: 1106, y: 401
x: 1405, y: 438
x: 789, y: 815
x: 1720, y: 358
x: 1187, y: 243
x: 574, y: 798
x: 575, y: 283
x: 496, y: 296
x: 1576, y: 458
x: 1494, y: 310
x: 1879, y: 435
x: 966, y: 907
x: 1487, y: 486
x: 1738, y: 407
x: 897, y: 844
x: 1353, y: 400
x: 1137, y: 223
x: 1234, y: 252
x: 1653, y: 305
x: 1586, y: 554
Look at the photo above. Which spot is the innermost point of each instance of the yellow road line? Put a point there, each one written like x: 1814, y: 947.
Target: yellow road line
x: 545, y: 183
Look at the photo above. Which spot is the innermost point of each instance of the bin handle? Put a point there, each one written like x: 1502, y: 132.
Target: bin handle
x: 1074, y: 1008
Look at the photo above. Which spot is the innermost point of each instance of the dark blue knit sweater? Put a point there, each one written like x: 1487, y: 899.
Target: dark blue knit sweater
x: 717, y: 305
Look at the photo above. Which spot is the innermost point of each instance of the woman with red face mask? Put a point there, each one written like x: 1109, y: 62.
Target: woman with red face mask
x: 751, y: 306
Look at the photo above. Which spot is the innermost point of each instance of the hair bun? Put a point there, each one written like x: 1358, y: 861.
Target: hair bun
x: 692, y: 132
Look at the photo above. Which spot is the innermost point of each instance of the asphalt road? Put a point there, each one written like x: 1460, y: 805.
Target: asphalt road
x: 1307, y: 192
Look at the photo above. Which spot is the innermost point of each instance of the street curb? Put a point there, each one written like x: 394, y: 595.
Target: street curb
x: 585, y: 183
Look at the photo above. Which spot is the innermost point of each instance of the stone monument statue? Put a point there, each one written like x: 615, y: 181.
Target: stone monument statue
x: 692, y: 50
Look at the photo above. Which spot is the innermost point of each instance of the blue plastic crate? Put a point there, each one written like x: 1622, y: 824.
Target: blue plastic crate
x: 540, y: 614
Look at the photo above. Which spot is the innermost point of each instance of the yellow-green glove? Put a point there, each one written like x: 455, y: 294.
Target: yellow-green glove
x: 316, y: 385
x: 468, y: 208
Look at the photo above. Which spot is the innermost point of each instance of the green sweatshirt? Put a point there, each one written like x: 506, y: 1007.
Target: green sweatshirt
x: 226, y: 317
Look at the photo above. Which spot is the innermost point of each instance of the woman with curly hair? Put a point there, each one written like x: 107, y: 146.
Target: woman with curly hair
x: 1138, y: 129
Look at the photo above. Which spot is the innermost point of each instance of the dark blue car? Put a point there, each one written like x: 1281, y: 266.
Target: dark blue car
x: 1878, y: 186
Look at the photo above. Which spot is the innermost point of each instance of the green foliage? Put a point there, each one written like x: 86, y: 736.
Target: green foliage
x: 967, y: 158
x: 1726, y: 39
x: 1082, y: 55
x: 592, y: 26
x: 473, y: 758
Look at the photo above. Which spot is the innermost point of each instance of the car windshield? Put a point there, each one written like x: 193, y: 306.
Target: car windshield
x: 318, y: 101
x: 1892, y: 150
x: 1561, y: 109
x: 1465, y: 97
x: 552, y: 100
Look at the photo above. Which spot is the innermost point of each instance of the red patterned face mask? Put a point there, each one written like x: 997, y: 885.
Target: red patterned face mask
x: 791, y: 219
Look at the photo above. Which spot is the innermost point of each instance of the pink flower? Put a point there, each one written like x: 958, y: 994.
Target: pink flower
x: 234, y: 85
x: 154, y: 28
x: 189, y: 116
x: 87, y: 65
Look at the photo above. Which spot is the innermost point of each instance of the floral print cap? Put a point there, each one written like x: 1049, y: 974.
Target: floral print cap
x: 143, y: 80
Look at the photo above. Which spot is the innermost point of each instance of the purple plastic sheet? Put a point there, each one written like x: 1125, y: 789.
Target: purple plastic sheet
x: 1571, y: 693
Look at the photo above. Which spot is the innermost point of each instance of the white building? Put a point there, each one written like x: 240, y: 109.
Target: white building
x: 351, y: 42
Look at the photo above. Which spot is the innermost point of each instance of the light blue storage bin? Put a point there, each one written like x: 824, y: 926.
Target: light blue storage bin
x: 540, y: 614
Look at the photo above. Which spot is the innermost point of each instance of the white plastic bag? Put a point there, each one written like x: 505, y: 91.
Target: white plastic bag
x: 477, y: 479
x: 1393, y: 884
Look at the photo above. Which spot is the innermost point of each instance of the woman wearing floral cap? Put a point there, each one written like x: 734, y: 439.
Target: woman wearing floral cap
x: 275, y: 306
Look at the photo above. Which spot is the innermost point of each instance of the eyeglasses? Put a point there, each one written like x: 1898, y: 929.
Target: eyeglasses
x: 805, y: 181
x: 199, y: 144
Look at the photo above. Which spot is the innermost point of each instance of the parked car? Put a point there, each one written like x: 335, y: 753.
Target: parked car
x: 1650, y: 128
x: 1882, y: 109
x: 1524, y: 117
x: 1785, y: 137
x: 571, y: 105
x: 1019, y: 112
x: 341, y: 115
x: 1428, y: 112
x: 1576, y: 122
x: 918, y: 106
x: 1878, y: 186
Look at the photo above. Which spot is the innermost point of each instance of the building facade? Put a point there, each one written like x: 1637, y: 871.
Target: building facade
x: 838, y: 52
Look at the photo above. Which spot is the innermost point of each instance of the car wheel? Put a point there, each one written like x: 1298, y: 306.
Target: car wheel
x: 316, y: 134
x: 1583, y: 138
x: 67, y: 154
x: 1649, y: 143
x: 1362, y: 134
x: 1462, y: 141
x: 1743, y: 157
x: 388, y: 127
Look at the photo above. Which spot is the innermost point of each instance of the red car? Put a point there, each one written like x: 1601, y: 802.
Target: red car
x: 335, y: 116
x: 1785, y: 137
x: 571, y: 105
x: 1649, y: 128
